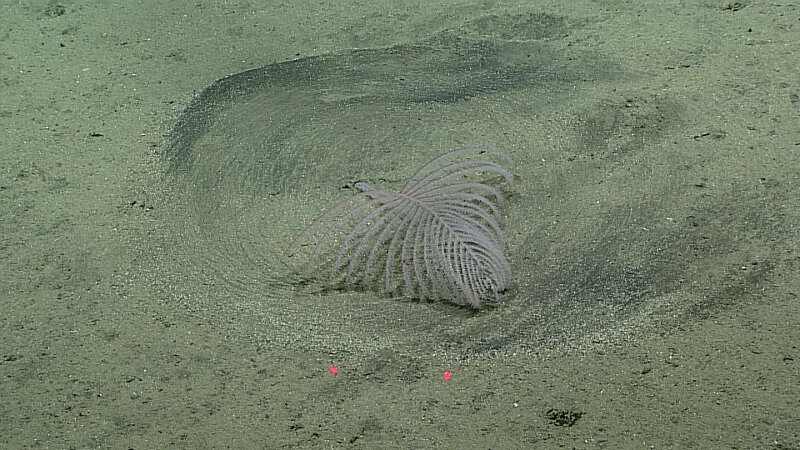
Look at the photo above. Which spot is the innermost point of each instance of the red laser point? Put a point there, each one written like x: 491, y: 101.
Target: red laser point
x: 447, y: 375
x: 334, y: 370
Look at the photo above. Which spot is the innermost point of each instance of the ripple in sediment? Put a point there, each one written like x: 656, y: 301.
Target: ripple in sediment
x: 258, y: 154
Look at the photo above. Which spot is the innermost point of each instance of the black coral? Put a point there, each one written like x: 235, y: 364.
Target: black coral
x: 441, y: 231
